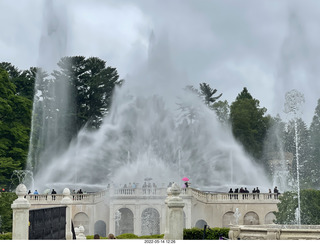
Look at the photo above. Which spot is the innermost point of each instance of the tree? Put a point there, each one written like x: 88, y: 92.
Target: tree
x: 314, y: 156
x: 92, y: 84
x: 304, y: 151
x: 23, y: 80
x: 15, y: 121
x: 6, y: 199
x: 207, y: 93
x: 249, y: 123
x: 222, y: 110
x: 310, y: 207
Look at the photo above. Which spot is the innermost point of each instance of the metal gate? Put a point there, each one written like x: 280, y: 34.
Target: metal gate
x: 47, y: 224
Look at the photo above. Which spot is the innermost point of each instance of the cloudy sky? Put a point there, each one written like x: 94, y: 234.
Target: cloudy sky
x: 270, y: 46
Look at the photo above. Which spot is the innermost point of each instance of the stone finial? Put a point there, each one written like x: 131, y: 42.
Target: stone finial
x: 66, y: 192
x: 66, y: 197
x: 81, y: 235
x: 21, y: 190
x: 175, y: 190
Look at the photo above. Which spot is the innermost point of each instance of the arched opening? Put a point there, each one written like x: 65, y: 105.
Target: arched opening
x: 124, y: 221
x: 269, y: 219
x: 82, y: 219
x: 251, y: 218
x: 227, y: 219
x: 200, y: 223
x: 150, y: 222
x: 100, y: 228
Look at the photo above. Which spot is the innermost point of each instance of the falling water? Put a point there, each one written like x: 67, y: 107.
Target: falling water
x: 293, y: 105
x: 48, y: 127
x: 165, y: 129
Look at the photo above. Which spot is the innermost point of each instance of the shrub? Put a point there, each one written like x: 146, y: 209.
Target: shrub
x: 127, y: 236
x: 211, y: 233
x: 6, y: 236
x: 152, y: 237
x: 91, y: 237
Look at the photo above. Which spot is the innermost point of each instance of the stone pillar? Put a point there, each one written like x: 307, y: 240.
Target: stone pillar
x: 167, y: 211
x: 20, y: 221
x: 66, y: 200
x: 175, y: 214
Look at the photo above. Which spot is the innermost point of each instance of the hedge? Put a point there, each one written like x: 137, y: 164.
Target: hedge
x: 211, y: 233
x: 6, y: 236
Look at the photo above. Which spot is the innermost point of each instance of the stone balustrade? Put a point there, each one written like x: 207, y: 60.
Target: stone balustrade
x: 206, y: 197
x: 209, y: 197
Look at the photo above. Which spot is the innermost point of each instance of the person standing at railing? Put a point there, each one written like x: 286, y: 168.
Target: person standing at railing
x: 246, y: 191
x: 154, y: 186
x: 254, y: 193
x: 231, y: 193
x: 275, y: 190
x: 144, y: 188
x: 36, y: 194
x: 53, y: 195
x: 236, y: 191
x: 257, y: 191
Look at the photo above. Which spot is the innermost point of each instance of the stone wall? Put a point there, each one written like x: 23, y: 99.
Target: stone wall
x: 275, y: 232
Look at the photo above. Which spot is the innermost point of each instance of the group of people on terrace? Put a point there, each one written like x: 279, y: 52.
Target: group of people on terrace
x: 245, y: 193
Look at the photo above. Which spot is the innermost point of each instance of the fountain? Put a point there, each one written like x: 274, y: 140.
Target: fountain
x: 293, y: 105
x: 151, y: 119
x: 237, y: 216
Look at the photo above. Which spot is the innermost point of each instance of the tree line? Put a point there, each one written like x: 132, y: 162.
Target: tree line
x: 92, y: 83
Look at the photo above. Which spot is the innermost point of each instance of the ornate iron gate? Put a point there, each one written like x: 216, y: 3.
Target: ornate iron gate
x: 47, y: 224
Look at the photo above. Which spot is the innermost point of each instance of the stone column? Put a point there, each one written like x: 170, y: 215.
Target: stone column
x: 20, y: 221
x: 175, y: 215
x: 66, y: 200
x: 167, y: 211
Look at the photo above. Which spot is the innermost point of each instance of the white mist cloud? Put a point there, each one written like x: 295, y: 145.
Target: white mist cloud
x: 268, y: 46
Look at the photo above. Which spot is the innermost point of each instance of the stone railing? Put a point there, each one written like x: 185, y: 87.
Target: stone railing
x: 206, y: 197
x: 274, y: 232
x: 56, y: 198
x: 234, y: 197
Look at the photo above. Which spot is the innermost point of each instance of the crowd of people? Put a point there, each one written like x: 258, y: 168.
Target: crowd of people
x: 245, y: 193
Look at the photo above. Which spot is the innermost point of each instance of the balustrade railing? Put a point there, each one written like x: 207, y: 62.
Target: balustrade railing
x: 208, y: 197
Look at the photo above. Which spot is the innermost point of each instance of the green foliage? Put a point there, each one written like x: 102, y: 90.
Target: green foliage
x: 222, y: 110
x: 249, y: 125
x: 314, y: 156
x: 6, y: 199
x: 159, y: 236
x: 92, y: 84
x: 6, y: 236
x: 310, y: 207
x: 15, y: 122
x: 91, y: 237
x: 211, y: 233
x: 132, y: 236
x: 127, y: 236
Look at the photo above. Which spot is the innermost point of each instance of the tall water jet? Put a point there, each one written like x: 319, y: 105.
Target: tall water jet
x: 164, y: 128
x: 51, y: 99
x: 294, y: 102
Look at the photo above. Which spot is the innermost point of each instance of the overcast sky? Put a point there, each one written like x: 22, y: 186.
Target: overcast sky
x: 270, y: 47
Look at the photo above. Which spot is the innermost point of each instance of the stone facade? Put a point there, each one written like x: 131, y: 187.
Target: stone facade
x: 119, y: 211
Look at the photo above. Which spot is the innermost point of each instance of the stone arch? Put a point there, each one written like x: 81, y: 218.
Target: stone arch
x: 82, y: 218
x: 150, y: 222
x: 200, y: 223
x: 100, y: 228
x: 124, y: 221
x: 227, y: 219
x: 269, y: 218
x: 251, y: 218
